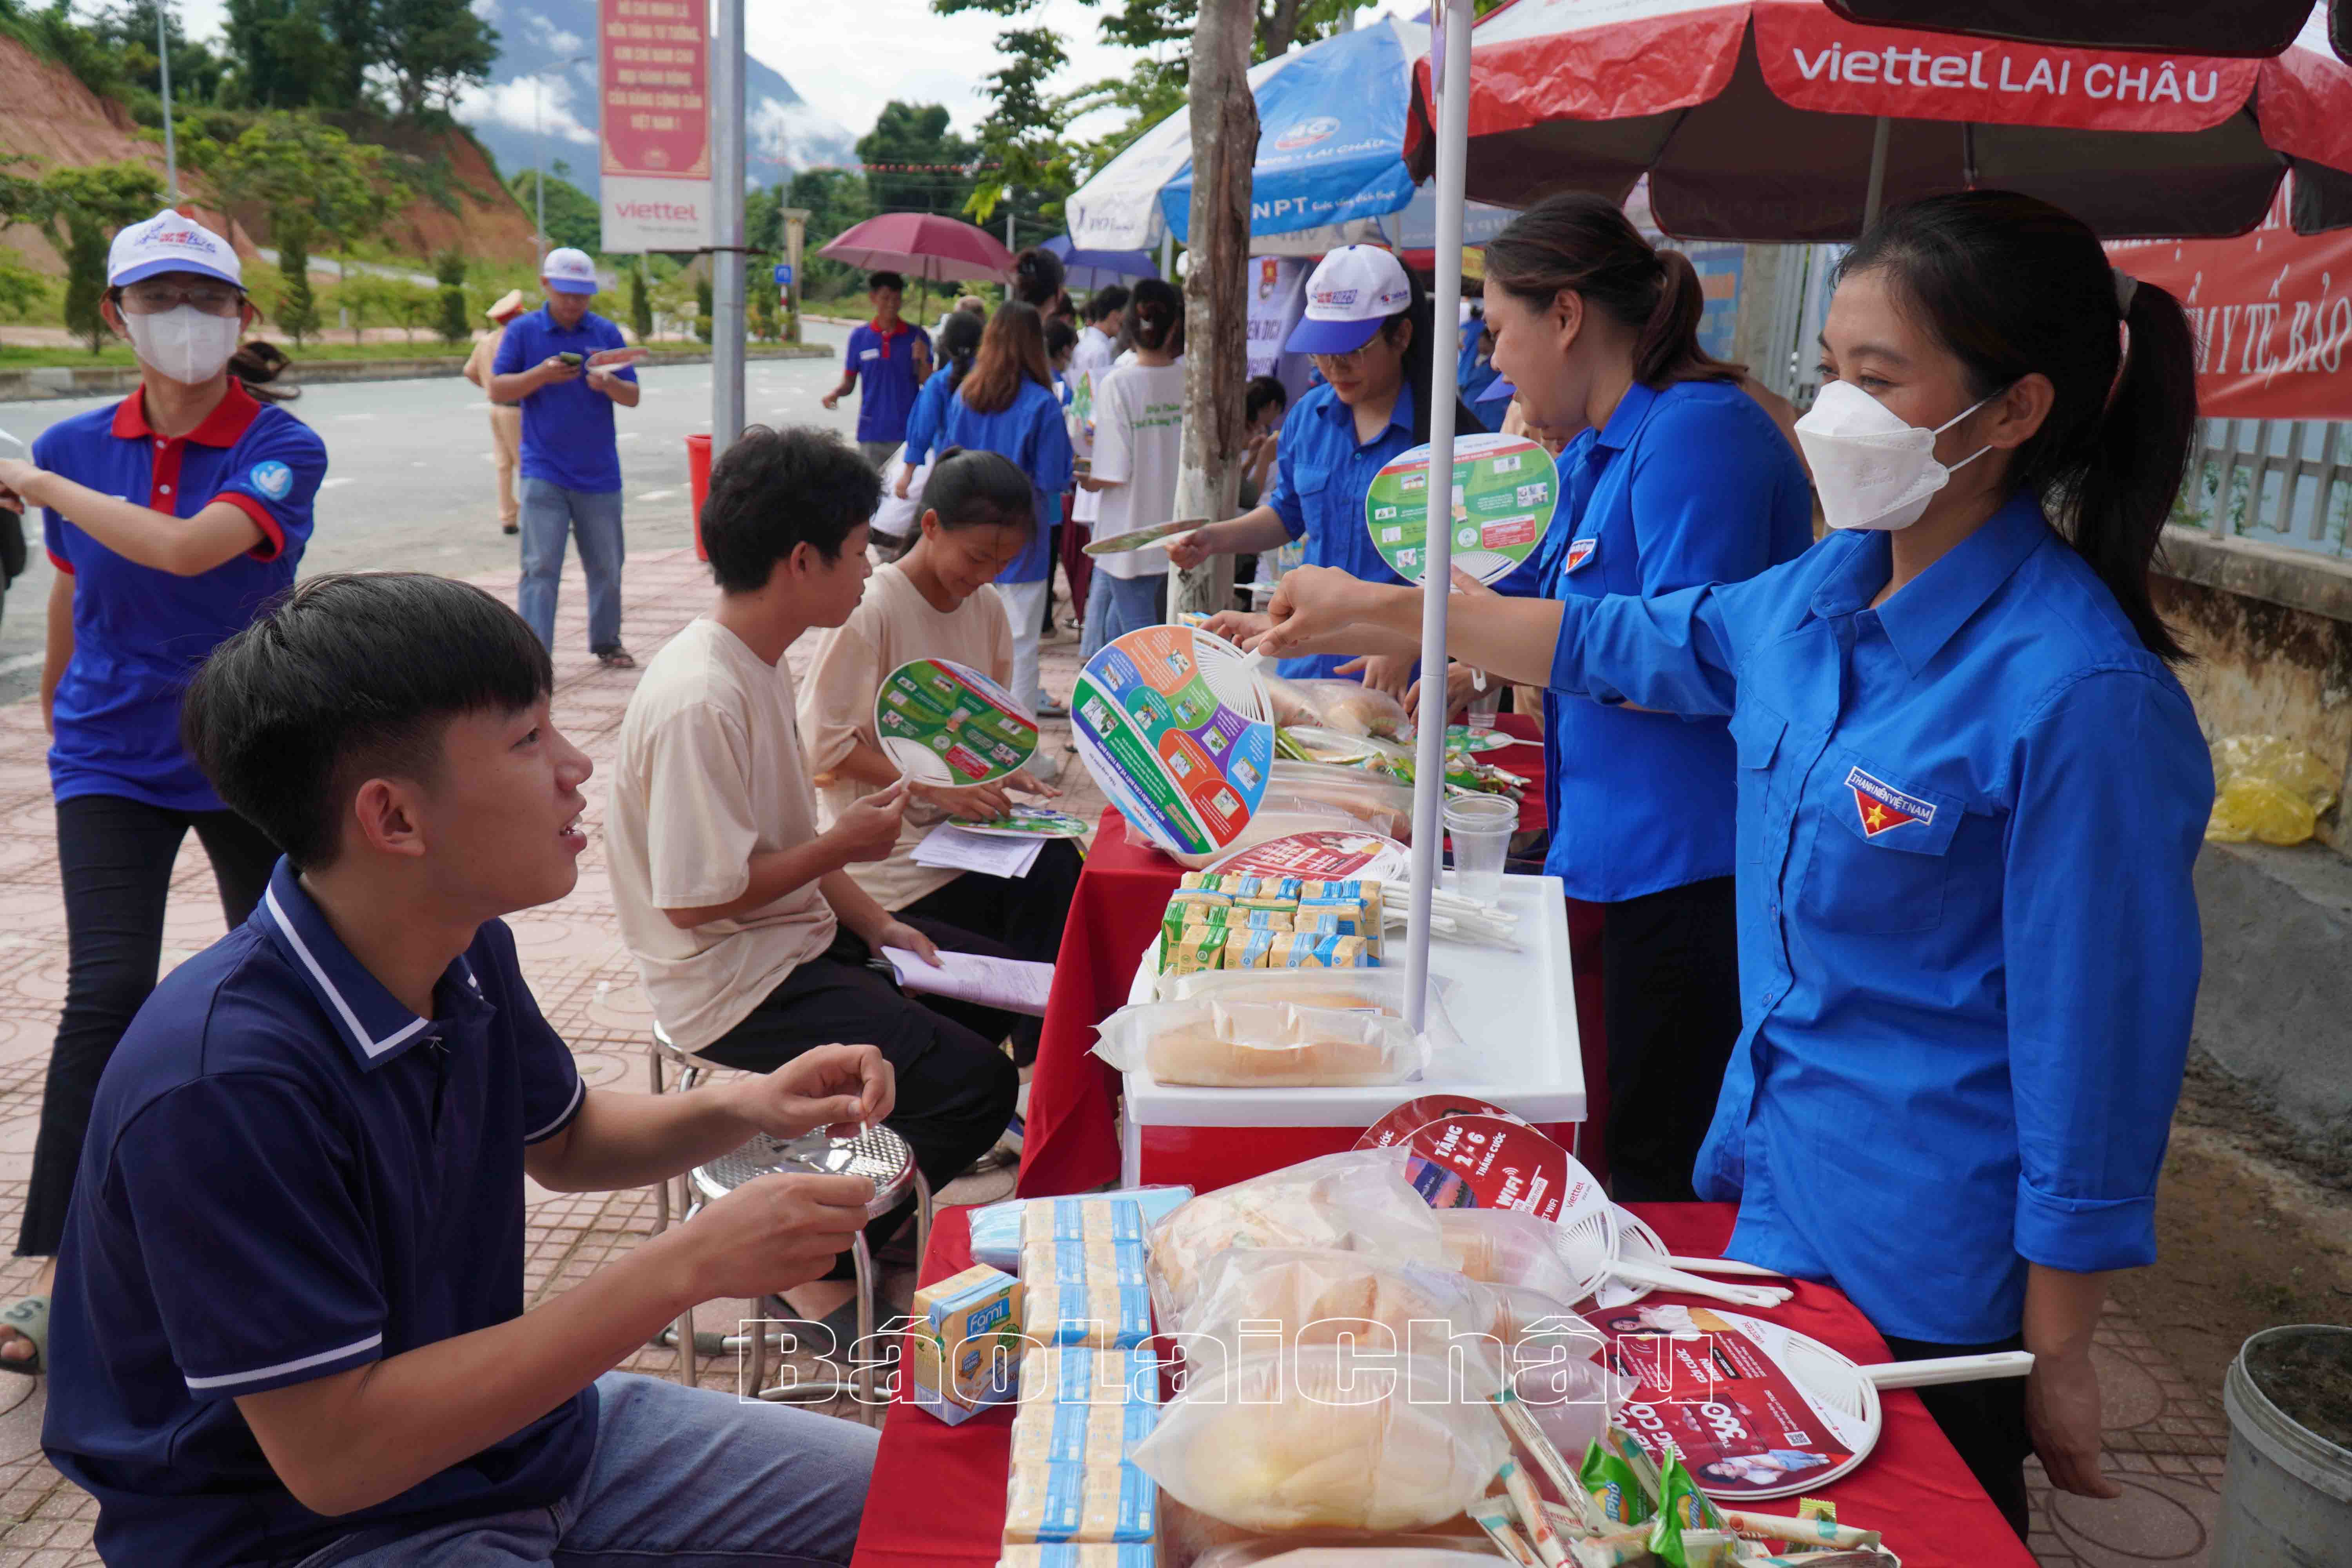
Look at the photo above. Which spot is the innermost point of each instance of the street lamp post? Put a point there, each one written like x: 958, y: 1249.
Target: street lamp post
x: 171, y: 149
x: 539, y: 140
x: 726, y: 258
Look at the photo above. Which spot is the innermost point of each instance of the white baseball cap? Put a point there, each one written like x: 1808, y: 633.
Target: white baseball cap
x: 569, y: 271
x: 169, y: 242
x: 1351, y: 291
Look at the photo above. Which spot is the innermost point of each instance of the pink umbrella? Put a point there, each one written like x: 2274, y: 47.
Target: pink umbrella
x: 1777, y: 119
x: 922, y: 244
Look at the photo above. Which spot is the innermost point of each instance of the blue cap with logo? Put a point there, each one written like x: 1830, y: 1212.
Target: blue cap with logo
x: 170, y: 242
x: 1350, y: 292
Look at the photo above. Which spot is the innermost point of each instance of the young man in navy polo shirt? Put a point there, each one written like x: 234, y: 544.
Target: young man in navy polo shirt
x: 894, y: 357
x: 289, y: 1320
x: 565, y: 364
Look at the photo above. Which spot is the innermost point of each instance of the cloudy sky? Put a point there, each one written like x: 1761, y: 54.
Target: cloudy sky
x: 848, y: 60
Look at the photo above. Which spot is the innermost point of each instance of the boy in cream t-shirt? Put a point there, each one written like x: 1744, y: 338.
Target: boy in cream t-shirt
x: 751, y: 935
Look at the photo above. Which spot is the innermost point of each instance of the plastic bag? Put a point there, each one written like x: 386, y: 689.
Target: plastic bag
x: 1572, y: 1399
x: 1216, y: 1044
x: 2268, y: 788
x: 1310, y: 1297
x: 1318, y: 1438
x: 1380, y: 803
x: 1509, y: 1247
x: 1376, y: 990
x: 1355, y: 1201
x: 1349, y: 1551
x: 1348, y: 706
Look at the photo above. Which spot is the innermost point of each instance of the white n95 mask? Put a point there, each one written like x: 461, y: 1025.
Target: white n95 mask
x: 183, y: 342
x: 1871, y: 469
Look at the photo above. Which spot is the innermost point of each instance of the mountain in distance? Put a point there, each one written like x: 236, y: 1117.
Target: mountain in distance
x: 783, y: 133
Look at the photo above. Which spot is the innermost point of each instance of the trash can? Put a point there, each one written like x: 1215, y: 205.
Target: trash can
x: 697, y: 485
x: 2286, y: 1499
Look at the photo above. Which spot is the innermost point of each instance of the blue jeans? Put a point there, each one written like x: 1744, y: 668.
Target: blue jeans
x: 1118, y: 605
x: 551, y: 513
x: 681, y: 1478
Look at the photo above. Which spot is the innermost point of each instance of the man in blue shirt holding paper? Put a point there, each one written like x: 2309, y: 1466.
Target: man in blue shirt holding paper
x: 567, y: 366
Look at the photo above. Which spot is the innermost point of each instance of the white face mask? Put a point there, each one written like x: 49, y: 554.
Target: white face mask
x: 1871, y: 469
x: 183, y: 342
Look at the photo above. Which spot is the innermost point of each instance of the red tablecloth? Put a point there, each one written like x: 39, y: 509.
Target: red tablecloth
x: 937, y: 1495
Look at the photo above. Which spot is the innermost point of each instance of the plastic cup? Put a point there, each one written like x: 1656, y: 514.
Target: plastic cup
x: 1483, y: 706
x: 1480, y: 826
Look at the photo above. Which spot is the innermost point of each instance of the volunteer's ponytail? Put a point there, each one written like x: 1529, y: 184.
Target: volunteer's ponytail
x: 1155, y: 317
x: 2015, y: 287
x: 1584, y: 245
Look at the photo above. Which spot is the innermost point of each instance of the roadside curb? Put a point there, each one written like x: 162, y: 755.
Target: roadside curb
x: 46, y: 382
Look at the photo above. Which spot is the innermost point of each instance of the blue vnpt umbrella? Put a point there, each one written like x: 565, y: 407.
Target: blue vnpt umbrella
x: 1330, y: 147
x: 1100, y: 268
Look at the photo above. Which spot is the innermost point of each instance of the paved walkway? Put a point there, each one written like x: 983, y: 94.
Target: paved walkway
x: 2165, y: 1440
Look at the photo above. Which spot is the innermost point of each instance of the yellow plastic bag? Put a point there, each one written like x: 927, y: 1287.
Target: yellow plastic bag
x: 2268, y: 788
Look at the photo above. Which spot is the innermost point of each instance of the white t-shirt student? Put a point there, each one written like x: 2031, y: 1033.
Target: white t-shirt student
x: 1090, y: 364
x: 709, y: 774
x: 892, y: 624
x: 1139, y: 443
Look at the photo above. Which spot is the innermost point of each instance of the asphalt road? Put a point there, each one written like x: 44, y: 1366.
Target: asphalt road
x: 411, y: 481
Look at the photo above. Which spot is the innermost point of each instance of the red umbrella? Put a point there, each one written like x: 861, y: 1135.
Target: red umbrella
x: 2255, y: 28
x: 923, y: 244
x: 1777, y: 119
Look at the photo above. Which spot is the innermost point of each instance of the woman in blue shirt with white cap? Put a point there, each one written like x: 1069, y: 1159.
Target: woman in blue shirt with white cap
x: 171, y: 516
x: 1970, y: 795
x: 1370, y: 332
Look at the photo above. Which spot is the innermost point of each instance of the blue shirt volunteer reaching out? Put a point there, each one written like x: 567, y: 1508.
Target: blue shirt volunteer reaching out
x: 139, y: 632
x: 1321, y: 474
x: 1969, y: 944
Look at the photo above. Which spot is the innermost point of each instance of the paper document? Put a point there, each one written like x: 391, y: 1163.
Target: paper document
x: 952, y: 848
x: 1006, y: 983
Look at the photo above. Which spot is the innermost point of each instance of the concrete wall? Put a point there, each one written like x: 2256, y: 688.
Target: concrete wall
x: 2271, y: 629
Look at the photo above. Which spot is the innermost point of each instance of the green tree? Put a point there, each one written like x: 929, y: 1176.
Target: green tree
x: 22, y: 289
x: 128, y: 28
x: 284, y: 53
x: 837, y: 200
x: 449, y: 269
x: 641, y: 310
x: 78, y: 209
x: 702, y: 312
x: 573, y: 216
x: 431, y: 50
x: 763, y: 308
x: 290, y: 167
x: 915, y: 163
x: 297, y: 306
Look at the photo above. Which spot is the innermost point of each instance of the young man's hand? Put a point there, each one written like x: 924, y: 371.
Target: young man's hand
x: 842, y: 1088
x: 970, y: 803
x: 868, y: 829
x: 906, y: 939
x: 773, y: 1234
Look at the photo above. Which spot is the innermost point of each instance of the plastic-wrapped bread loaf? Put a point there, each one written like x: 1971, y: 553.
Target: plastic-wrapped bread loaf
x: 1318, y: 1439
x: 1317, y: 1037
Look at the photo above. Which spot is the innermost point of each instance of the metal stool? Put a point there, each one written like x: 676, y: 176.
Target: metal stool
x: 878, y: 1155
x: 661, y: 1054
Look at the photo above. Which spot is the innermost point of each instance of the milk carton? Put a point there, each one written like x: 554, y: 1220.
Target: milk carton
x: 966, y: 1343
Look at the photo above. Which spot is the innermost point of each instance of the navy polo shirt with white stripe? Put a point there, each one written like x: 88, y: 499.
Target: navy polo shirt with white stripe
x: 289, y: 1175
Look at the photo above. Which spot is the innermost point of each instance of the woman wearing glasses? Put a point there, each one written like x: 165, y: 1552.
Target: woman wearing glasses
x: 1370, y: 333
x: 170, y: 518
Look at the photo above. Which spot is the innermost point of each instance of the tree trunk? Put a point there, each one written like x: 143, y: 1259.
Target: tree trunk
x: 1216, y: 287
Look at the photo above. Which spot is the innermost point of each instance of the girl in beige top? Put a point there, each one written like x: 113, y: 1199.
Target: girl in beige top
x: 977, y: 517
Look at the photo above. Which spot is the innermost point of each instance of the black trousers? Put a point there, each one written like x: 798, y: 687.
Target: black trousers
x: 1985, y: 1421
x: 1026, y: 913
x: 1670, y: 1000
x: 115, y: 854
x: 955, y: 1087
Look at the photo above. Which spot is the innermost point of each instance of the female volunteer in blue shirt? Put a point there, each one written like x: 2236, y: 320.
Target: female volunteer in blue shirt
x: 1370, y: 333
x: 1970, y: 794
x: 171, y: 517
x: 1007, y: 403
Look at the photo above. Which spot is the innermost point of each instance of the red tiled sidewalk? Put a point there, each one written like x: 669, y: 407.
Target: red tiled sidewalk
x: 2166, y: 1438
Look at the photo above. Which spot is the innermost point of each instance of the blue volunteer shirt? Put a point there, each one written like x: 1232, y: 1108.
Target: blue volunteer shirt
x: 288, y: 1175
x: 140, y: 633
x: 1478, y: 378
x: 1032, y: 435
x: 930, y: 412
x: 1321, y: 473
x: 1689, y: 484
x: 567, y: 426
x: 1969, y: 947
x: 883, y: 364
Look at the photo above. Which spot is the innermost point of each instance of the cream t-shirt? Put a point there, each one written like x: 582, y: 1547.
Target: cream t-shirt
x: 709, y: 774
x: 892, y: 624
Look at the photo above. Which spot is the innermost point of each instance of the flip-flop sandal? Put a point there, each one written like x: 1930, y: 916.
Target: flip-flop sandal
x: 615, y: 658
x: 29, y: 1316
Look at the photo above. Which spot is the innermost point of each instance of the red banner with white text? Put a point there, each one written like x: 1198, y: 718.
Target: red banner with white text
x: 2273, y: 312
x: 654, y: 124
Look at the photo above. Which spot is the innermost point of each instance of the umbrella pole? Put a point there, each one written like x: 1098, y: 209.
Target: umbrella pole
x: 1877, y: 192
x: 1437, y: 575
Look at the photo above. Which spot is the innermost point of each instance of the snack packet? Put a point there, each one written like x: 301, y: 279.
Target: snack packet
x: 1609, y: 1550
x: 1522, y: 1493
x: 1684, y: 1512
x: 1805, y: 1532
x: 1615, y: 1488
x: 1493, y: 1515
